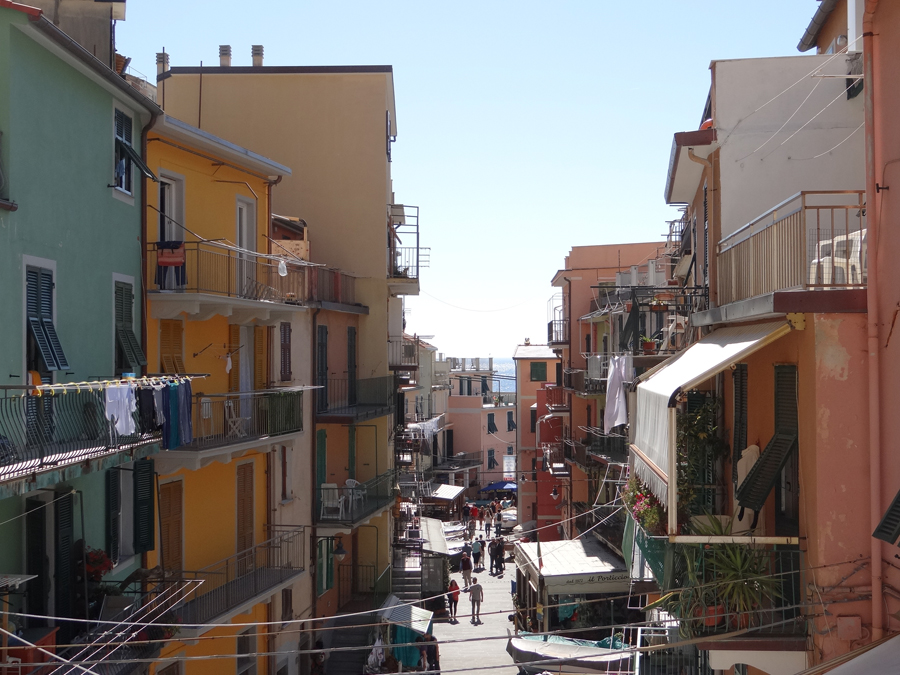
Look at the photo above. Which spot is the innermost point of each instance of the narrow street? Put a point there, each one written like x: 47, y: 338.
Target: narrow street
x: 495, y: 610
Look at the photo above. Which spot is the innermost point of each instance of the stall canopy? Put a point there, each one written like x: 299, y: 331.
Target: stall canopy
x: 573, y: 566
x: 502, y: 485
x: 653, y: 438
x: 446, y: 492
x: 403, y: 614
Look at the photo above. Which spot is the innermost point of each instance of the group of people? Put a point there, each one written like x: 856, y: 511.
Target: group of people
x: 484, y: 518
x: 476, y: 595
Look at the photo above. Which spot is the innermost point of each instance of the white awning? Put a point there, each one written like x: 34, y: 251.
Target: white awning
x: 653, y: 438
x: 446, y: 492
x: 573, y: 566
x: 405, y: 614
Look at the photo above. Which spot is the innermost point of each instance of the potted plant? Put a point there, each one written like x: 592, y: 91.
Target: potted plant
x: 648, y: 345
x: 96, y: 563
x: 643, y: 505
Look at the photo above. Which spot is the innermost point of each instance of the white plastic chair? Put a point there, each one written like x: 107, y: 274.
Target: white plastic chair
x: 357, y: 492
x: 332, y: 502
x: 235, y: 423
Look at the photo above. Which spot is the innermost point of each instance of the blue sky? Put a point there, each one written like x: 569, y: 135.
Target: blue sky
x: 524, y: 128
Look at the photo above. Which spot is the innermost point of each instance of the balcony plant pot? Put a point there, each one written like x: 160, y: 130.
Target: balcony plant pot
x: 649, y: 348
x: 712, y: 615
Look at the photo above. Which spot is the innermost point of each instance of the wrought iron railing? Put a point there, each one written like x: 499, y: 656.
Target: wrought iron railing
x: 558, y: 331
x: 225, y: 419
x: 218, y: 270
x: 403, y: 242
x: 240, y: 578
x: 554, y: 456
x: 357, y: 398
x: 460, y: 461
x: 356, y: 582
x: 557, y: 397
x: 609, y: 449
x: 343, y: 504
x: 59, y: 428
x: 331, y: 285
x: 403, y: 352
x: 813, y: 240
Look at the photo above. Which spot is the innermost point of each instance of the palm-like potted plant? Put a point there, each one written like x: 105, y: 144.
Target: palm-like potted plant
x: 648, y: 344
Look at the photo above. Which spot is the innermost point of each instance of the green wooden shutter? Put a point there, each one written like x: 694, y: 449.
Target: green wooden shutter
x: 786, y: 398
x: 46, y: 290
x: 113, y: 514
x: 128, y: 342
x: 351, y: 452
x: 351, y: 365
x: 491, y: 425
x: 39, y: 309
x: 889, y: 528
x: 322, y: 367
x: 144, y: 530
x: 285, y: 351
x: 510, y: 422
x: 64, y: 572
x: 739, y: 443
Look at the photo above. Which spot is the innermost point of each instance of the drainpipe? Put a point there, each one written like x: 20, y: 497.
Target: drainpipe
x: 872, y: 224
x: 314, y: 540
x: 146, y: 182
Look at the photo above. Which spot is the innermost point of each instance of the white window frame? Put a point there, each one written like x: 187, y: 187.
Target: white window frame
x: 120, y: 193
x: 46, y: 263
x: 177, y: 181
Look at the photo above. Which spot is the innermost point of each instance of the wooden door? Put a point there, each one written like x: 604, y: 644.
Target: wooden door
x: 245, y: 513
x: 171, y: 524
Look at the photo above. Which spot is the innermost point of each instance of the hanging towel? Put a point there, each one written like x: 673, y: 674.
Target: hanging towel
x: 185, y: 419
x: 159, y: 409
x: 174, y: 423
x: 228, y: 365
x: 620, y: 372
x: 146, y: 410
x: 120, y: 407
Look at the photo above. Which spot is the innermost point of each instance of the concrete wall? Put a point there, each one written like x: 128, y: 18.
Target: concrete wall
x: 753, y: 181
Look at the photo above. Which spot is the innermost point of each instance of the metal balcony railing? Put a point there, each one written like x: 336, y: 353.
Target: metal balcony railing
x: 341, y: 504
x: 403, y: 353
x: 331, y: 285
x: 813, y: 240
x: 423, y: 409
x: 459, y: 461
x: 245, y: 576
x: 218, y: 270
x: 609, y: 449
x: 56, y: 429
x: 403, y: 253
x: 226, y: 419
x: 555, y: 459
x: 558, y: 331
x: 506, y: 399
x: 356, y: 398
x: 557, y: 398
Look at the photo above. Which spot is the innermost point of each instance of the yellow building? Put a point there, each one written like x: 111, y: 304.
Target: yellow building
x: 218, y: 305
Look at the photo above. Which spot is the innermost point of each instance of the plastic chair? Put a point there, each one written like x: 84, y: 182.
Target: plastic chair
x: 332, y: 502
x: 357, y: 492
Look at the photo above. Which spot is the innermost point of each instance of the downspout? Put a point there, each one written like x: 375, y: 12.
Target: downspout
x: 872, y: 224
x: 144, y: 186
x: 314, y: 540
x: 712, y: 271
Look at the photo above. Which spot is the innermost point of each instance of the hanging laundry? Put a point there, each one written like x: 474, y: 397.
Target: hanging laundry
x: 120, y: 407
x: 146, y: 410
x: 174, y: 435
x: 159, y: 409
x: 185, y: 419
x: 228, y: 364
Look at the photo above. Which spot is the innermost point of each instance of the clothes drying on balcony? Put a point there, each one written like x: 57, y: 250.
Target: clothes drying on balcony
x: 120, y: 407
x: 621, y: 370
x: 170, y: 265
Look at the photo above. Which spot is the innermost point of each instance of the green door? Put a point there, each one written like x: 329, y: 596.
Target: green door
x: 351, y: 452
x: 321, y: 463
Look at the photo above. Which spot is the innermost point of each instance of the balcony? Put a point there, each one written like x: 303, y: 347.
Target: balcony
x: 422, y: 409
x: 812, y: 241
x: 353, y: 400
x: 555, y: 459
x: 221, y: 420
x: 403, y: 353
x: 56, y: 429
x: 558, y: 332
x: 608, y: 449
x: 440, y: 376
x: 405, y: 258
x: 350, y: 506
x: 244, y: 579
x: 557, y: 398
x: 461, y: 461
x: 330, y: 286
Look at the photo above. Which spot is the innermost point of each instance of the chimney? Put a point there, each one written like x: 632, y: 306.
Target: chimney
x: 256, y: 51
x: 162, y: 62
x: 225, y: 56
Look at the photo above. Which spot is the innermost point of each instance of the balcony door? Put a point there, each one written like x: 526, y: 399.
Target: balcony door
x: 244, y: 516
x: 245, y: 281
x: 171, y: 524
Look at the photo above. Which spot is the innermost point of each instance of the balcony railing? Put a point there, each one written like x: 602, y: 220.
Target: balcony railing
x: 423, y: 409
x: 357, y: 398
x: 56, y: 429
x: 226, y: 419
x: 245, y: 576
x: 555, y: 459
x: 221, y: 271
x: 558, y: 331
x: 403, y: 353
x: 557, y: 398
x: 460, y: 461
x: 338, y: 504
x: 403, y: 242
x: 506, y: 399
x: 609, y: 449
x: 813, y: 240
x: 331, y: 285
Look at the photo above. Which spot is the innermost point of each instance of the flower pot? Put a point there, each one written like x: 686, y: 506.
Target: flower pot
x: 712, y: 616
x: 739, y: 621
x: 649, y: 348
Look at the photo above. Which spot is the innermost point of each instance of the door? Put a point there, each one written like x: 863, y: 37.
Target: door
x: 245, y: 516
x: 321, y: 463
x: 171, y: 524
x: 351, y: 365
x: 64, y: 569
x: 37, y: 560
x: 246, y: 239
x: 322, y: 367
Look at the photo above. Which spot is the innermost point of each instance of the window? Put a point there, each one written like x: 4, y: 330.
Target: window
x: 285, y: 455
x: 491, y: 425
x: 509, y: 450
x: 325, y: 566
x: 246, y: 647
x: 322, y: 368
x: 287, y: 604
x: 174, y: 669
x: 539, y: 371
x: 171, y: 346
x: 510, y: 422
x: 126, y: 156
x: 171, y: 202
x: 533, y: 420
x: 492, y: 461
x: 43, y: 348
x: 260, y: 360
x: 129, y: 355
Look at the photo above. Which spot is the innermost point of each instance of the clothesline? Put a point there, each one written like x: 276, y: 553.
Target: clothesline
x: 99, y: 385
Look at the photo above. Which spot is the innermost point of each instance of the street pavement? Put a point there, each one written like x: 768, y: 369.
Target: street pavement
x: 465, y: 657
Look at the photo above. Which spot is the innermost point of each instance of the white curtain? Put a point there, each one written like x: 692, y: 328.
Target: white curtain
x: 621, y: 370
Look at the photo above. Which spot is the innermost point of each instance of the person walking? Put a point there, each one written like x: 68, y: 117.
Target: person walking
x: 492, y: 554
x: 498, y: 520
x: 470, y: 530
x: 465, y: 513
x: 477, y: 547
x: 501, y: 567
x: 476, y: 595
x: 488, y: 519
x: 453, y: 599
x: 480, y: 516
x: 465, y: 566
x: 432, y: 653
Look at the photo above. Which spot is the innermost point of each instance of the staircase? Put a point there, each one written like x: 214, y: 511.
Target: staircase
x: 352, y: 631
x: 406, y: 583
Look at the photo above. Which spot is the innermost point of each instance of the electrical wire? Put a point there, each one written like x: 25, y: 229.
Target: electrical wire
x: 468, y: 309
x: 43, y: 505
x: 835, y: 147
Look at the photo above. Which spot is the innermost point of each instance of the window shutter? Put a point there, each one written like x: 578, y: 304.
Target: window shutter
x: 889, y: 528
x: 491, y: 425
x: 786, y: 398
x: 144, y: 523
x: 510, y: 422
x: 39, y: 308
x: 533, y: 421
x: 171, y: 346
x: 171, y: 523
x: 234, y: 345
x: 32, y: 292
x: 260, y: 372
x: 485, y: 389
x: 244, y: 506
x: 128, y: 342
x: 739, y: 379
x: 113, y: 514
x: 449, y: 442
x: 64, y: 521
x: 492, y: 462
x: 285, y: 351
x: 322, y: 367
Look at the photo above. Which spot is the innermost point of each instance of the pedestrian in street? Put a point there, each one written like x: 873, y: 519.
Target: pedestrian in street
x: 501, y: 567
x: 488, y: 519
x: 498, y: 520
x: 431, y: 652
x: 467, y: 548
x: 474, y: 512
x: 465, y: 566
x: 465, y: 513
x: 477, y: 547
x: 476, y: 595
x: 492, y: 553
x: 453, y: 599
x: 470, y: 531
x: 480, y: 516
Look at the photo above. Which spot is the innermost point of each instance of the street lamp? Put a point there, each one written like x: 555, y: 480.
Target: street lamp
x: 339, y: 551
x: 555, y: 493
